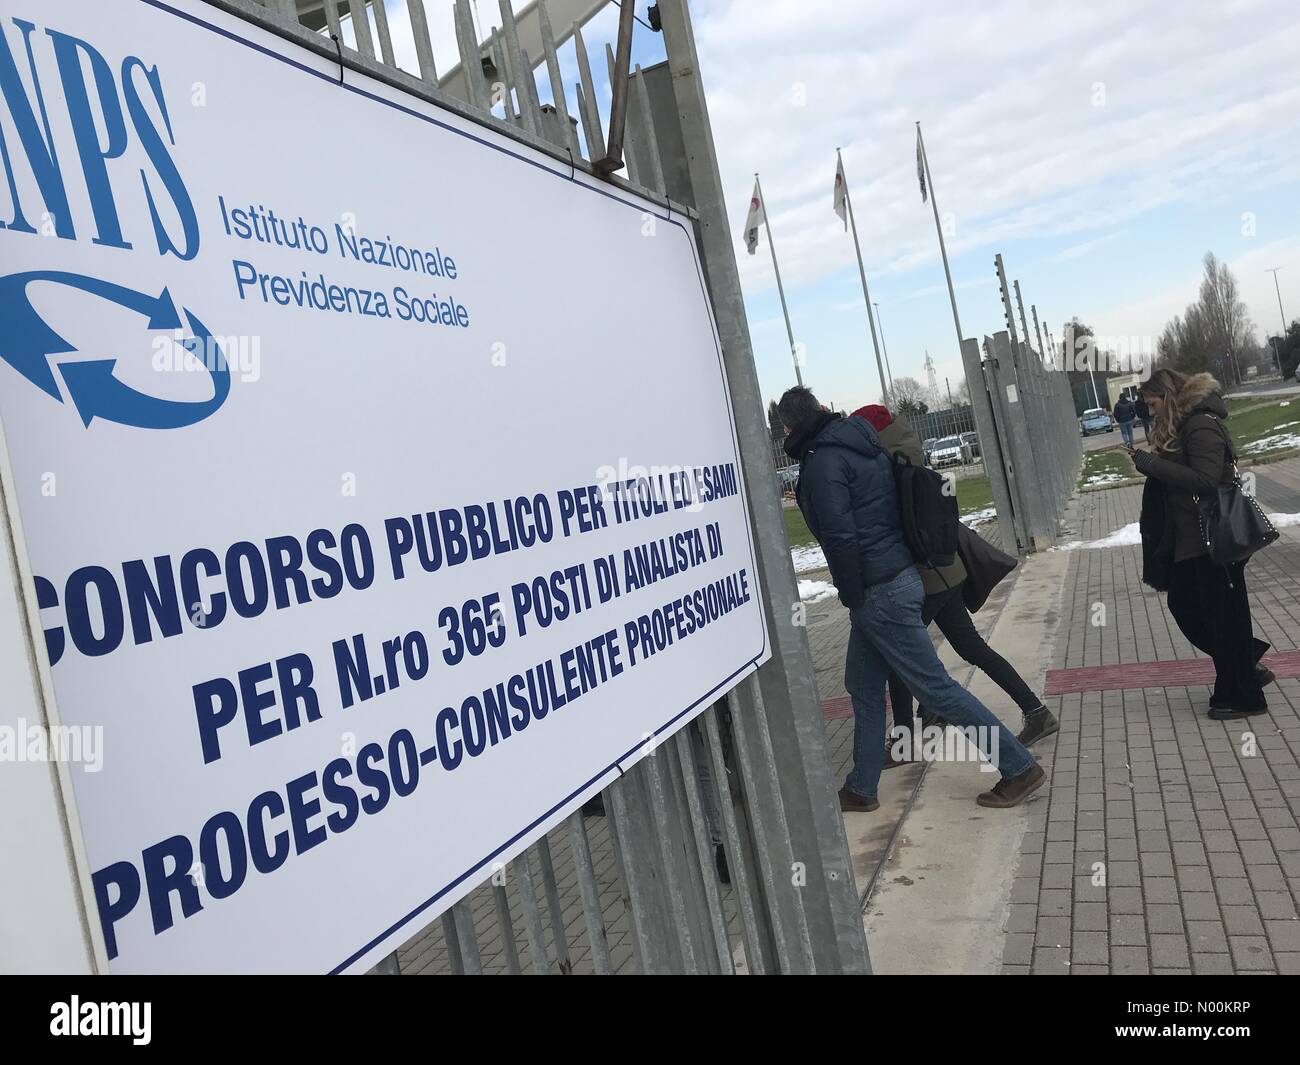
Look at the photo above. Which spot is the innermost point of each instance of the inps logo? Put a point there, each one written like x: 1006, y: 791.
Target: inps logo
x: 116, y: 117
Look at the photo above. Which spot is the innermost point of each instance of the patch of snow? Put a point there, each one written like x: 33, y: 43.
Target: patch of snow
x: 807, y: 558
x: 1276, y: 442
x: 979, y: 517
x: 815, y: 591
x: 1104, y: 478
x: 1129, y: 535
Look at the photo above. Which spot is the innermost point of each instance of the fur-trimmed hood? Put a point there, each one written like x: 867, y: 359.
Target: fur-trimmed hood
x: 1202, y: 393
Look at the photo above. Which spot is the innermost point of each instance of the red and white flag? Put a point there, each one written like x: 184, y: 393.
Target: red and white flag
x: 841, y: 202
x: 757, y: 216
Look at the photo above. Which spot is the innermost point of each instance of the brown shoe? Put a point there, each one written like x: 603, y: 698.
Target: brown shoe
x: 853, y: 803
x: 1011, y: 791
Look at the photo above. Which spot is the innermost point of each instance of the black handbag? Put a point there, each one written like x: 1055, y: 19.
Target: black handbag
x: 985, y: 567
x: 1233, y: 525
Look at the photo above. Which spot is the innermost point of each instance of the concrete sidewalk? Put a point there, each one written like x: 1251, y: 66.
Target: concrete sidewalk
x: 1166, y: 842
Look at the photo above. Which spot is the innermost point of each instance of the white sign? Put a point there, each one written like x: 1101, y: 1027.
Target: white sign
x: 377, y: 477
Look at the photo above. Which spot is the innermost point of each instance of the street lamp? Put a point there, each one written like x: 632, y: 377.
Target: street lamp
x: 1277, y: 348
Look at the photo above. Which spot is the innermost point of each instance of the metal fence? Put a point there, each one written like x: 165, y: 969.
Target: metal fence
x: 748, y: 784
x: 1025, y: 417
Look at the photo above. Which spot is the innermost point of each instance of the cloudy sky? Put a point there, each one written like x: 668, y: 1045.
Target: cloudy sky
x: 1103, y: 148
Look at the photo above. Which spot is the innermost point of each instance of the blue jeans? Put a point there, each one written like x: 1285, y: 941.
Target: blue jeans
x: 1126, y: 431
x: 887, y: 633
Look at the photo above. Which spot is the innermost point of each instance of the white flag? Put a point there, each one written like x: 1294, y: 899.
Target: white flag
x: 757, y: 216
x: 841, y: 194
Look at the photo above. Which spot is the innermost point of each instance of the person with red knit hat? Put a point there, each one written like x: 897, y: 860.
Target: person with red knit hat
x: 944, y: 604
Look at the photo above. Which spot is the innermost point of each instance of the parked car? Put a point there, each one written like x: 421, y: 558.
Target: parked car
x: 947, y: 452
x: 971, y: 443
x: 788, y: 477
x: 928, y: 446
x: 1096, y: 420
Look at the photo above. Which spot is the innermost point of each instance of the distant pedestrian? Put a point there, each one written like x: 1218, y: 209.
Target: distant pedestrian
x: 848, y: 497
x: 1191, y: 456
x: 1143, y: 413
x: 1125, y: 414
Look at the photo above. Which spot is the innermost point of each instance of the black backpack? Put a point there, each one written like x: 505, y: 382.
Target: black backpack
x: 930, y: 516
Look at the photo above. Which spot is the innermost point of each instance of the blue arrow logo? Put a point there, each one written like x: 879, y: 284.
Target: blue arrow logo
x: 27, y: 342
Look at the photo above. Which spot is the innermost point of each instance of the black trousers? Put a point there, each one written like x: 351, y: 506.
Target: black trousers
x: 949, y: 611
x: 1210, y: 606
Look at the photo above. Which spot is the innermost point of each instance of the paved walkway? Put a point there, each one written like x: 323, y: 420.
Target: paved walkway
x: 1168, y: 842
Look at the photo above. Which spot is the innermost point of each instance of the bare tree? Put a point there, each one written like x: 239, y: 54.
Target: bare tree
x: 910, y: 396
x: 1215, y: 332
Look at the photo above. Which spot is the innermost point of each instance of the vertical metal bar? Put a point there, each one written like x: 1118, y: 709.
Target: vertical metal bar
x: 592, y: 914
x: 534, y: 105
x: 772, y: 889
x: 385, y: 38
x: 558, y: 100
x: 423, y: 43
x: 587, y: 100
x: 618, y: 87
x: 463, y: 918
x: 455, y: 960
x: 621, y: 864
x: 741, y: 876
x: 629, y: 157
x: 559, y: 935
x: 704, y: 851
x: 586, y: 122
x: 645, y: 119
x: 361, y: 28
x: 1039, y: 424
x: 1020, y: 411
x: 530, y: 117
x: 638, y: 851
x: 532, y: 915
x: 332, y: 20
x: 991, y: 446
x: 768, y: 756
x: 693, y: 873
x: 671, y: 867
x: 471, y: 56
x: 507, y: 925
x: 502, y: 62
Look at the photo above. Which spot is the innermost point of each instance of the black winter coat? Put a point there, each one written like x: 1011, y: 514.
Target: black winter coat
x: 1199, y: 462
x: 849, y: 498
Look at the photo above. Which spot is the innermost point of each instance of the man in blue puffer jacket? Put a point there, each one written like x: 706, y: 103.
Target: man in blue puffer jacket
x: 849, y: 499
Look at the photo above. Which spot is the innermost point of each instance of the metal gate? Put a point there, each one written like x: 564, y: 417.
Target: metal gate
x: 724, y: 850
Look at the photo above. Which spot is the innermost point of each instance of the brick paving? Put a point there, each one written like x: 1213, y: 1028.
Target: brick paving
x: 1169, y: 843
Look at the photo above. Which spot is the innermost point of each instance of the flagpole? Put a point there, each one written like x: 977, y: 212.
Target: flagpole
x: 885, y: 348
x: 943, y: 250
x: 779, y: 287
x: 871, y: 318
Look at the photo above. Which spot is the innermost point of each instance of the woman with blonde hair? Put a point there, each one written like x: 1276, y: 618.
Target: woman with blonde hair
x: 1192, y: 455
